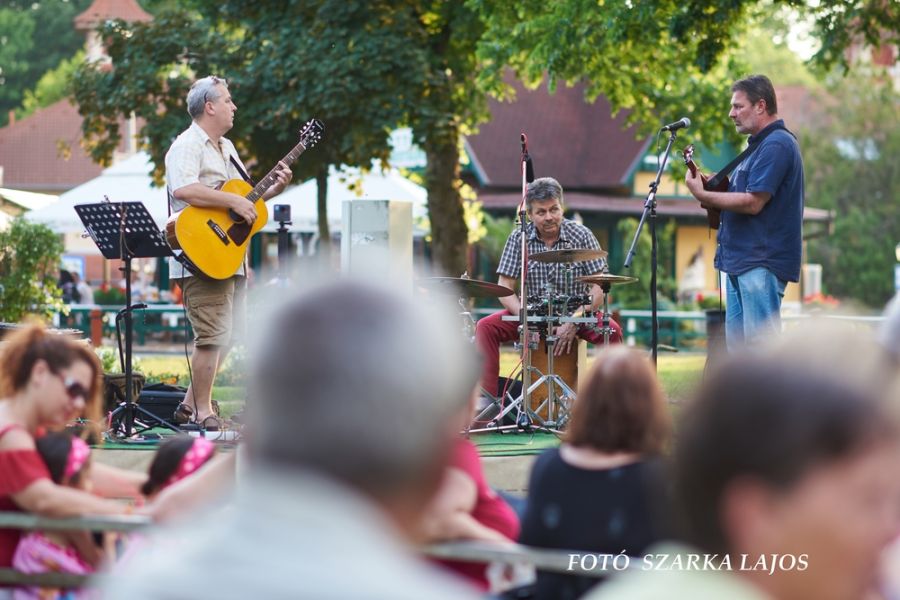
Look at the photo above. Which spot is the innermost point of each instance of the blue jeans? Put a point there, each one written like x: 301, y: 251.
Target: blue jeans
x: 753, y: 307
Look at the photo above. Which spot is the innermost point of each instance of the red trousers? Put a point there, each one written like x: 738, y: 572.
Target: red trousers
x: 491, y: 331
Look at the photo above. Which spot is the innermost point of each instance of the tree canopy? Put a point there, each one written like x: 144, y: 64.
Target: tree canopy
x: 367, y: 67
x: 664, y: 59
x: 35, y: 35
x: 855, y: 151
x: 364, y: 68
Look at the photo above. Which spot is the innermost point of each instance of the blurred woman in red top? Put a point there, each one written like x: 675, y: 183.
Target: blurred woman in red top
x: 46, y: 381
x: 465, y: 506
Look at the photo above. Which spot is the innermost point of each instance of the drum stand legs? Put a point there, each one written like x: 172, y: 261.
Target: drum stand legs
x: 558, y: 402
x: 496, y: 411
x: 559, y: 395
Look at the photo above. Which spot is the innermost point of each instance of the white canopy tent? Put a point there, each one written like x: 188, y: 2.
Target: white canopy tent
x: 374, y: 185
x: 125, y: 181
x: 27, y: 200
x: 129, y: 180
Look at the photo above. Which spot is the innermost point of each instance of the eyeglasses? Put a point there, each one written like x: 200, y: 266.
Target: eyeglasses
x: 74, y: 388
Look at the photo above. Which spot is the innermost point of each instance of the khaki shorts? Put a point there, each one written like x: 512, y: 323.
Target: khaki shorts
x: 216, y: 309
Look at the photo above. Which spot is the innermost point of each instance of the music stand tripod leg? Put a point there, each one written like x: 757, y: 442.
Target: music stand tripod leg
x: 129, y: 409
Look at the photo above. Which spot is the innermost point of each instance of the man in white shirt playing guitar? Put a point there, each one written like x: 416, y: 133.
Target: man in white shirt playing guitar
x: 199, y: 160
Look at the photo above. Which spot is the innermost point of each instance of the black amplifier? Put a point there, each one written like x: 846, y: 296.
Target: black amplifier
x: 161, y: 399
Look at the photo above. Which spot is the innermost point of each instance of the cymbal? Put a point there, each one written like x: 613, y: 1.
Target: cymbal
x: 569, y: 255
x: 601, y: 278
x: 461, y: 286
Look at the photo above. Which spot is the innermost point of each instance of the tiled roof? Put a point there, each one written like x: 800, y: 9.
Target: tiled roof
x: 628, y: 205
x: 43, y: 151
x: 800, y: 108
x: 104, y: 10
x: 578, y: 143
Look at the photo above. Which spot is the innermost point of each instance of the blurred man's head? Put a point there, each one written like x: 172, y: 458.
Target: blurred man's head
x: 790, y: 454
x: 889, y: 332
x: 360, y: 384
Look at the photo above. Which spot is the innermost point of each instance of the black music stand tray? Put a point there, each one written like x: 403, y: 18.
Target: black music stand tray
x: 125, y: 230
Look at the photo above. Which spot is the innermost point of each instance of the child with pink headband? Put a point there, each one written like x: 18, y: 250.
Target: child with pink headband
x: 176, y: 459
x: 68, y: 460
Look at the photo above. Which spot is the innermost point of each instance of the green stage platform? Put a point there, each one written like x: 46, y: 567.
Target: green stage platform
x: 507, y: 457
x: 514, y: 443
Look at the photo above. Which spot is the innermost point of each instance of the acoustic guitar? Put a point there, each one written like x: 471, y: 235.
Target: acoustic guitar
x: 712, y: 214
x: 214, y: 241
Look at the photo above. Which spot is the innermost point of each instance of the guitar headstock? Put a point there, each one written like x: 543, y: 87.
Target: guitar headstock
x: 688, y: 153
x: 311, y: 133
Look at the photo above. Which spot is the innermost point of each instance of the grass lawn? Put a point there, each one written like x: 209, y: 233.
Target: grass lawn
x: 678, y: 373
x: 230, y: 398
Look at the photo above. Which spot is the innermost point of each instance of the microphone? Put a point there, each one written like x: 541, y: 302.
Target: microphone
x: 529, y: 166
x: 680, y: 124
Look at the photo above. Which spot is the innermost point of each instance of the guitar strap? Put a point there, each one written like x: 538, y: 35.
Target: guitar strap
x: 246, y: 177
x: 241, y: 170
x: 718, y: 177
x: 236, y: 164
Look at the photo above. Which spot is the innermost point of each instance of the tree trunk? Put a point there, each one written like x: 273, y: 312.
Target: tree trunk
x: 322, y: 206
x: 449, y: 235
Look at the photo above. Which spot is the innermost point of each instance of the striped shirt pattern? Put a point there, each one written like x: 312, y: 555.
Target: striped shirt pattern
x: 194, y: 158
x: 544, y: 278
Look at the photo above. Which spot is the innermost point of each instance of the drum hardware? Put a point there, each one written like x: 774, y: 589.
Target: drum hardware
x: 605, y: 281
x: 465, y: 288
x: 559, y: 394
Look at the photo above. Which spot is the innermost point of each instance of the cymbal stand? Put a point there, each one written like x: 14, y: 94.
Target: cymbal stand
x: 468, y: 325
x: 606, y: 317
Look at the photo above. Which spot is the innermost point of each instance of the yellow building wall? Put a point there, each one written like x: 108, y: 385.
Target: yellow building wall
x: 691, y: 238
x: 668, y: 186
x: 688, y: 240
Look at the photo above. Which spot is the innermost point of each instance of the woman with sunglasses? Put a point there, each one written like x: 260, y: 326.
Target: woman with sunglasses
x: 46, y: 381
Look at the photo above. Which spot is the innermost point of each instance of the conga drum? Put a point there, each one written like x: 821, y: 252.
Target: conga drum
x: 565, y: 365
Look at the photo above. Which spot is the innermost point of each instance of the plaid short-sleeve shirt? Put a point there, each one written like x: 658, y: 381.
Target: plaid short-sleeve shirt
x: 194, y: 158
x: 551, y: 277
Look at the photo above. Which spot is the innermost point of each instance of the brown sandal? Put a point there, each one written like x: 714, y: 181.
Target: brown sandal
x: 183, y: 415
x: 212, y: 423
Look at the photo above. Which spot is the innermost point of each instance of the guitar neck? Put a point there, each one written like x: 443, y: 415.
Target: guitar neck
x: 270, y: 179
x: 691, y: 167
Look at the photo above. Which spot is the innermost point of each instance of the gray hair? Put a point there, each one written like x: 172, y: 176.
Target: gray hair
x: 360, y: 384
x: 202, y: 91
x: 543, y: 189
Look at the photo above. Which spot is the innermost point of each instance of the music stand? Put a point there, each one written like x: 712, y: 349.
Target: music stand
x: 125, y: 230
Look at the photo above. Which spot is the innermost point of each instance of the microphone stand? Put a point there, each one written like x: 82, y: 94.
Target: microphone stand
x: 523, y: 295
x: 650, y: 209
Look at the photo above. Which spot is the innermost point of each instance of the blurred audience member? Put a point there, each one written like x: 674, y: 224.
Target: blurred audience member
x: 600, y: 491
x: 466, y: 508
x: 344, y: 452
x: 85, y: 292
x: 177, y: 458
x: 889, y: 332
x: 785, y: 466
x: 68, y: 459
x: 66, y: 283
x: 46, y: 381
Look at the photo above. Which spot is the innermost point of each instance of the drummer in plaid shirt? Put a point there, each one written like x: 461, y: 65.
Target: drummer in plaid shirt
x: 547, y: 230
